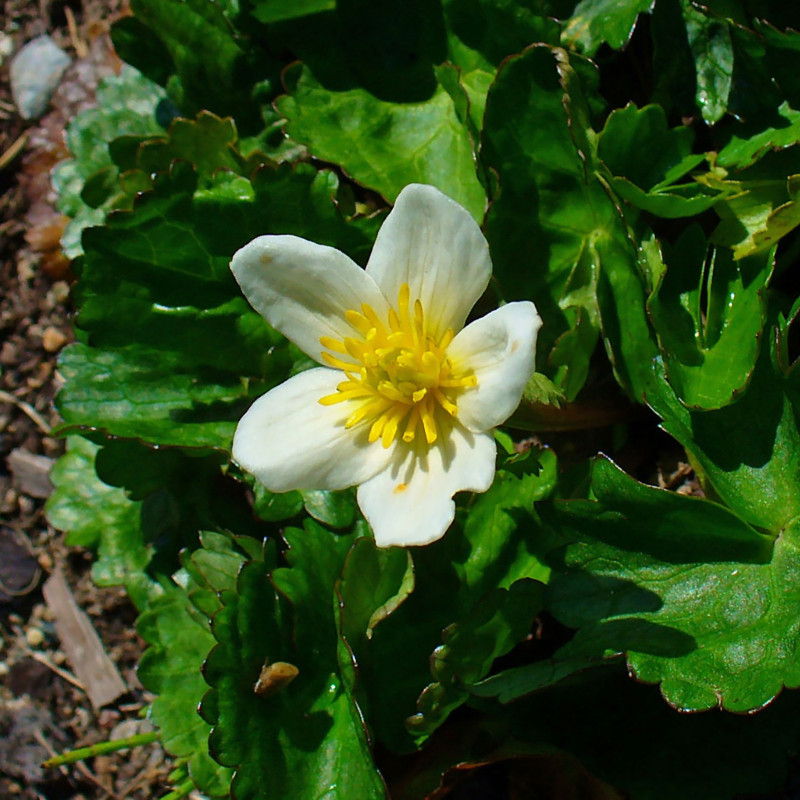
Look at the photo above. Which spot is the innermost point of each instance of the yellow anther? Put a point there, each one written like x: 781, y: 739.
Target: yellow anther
x: 358, y: 321
x: 332, y: 399
x: 337, y: 363
x: 448, y: 337
x: 389, y: 390
x: 402, y: 378
x: 403, y: 299
x: 411, y: 425
x: 449, y: 407
x: 332, y: 344
x: 428, y: 423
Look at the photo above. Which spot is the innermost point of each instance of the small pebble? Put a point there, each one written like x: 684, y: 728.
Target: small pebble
x: 59, y: 291
x: 6, y: 46
x: 36, y: 71
x: 53, y: 340
x: 34, y: 637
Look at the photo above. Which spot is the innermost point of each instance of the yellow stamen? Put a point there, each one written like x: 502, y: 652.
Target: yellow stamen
x: 428, y: 422
x: 411, y: 425
x: 402, y: 379
x: 449, y: 407
x: 332, y: 399
x: 336, y: 362
x: 332, y: 344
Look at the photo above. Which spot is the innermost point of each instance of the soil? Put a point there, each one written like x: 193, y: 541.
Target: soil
x: 44, y: 709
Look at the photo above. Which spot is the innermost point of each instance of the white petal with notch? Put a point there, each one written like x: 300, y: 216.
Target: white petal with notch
x: 410, y: 502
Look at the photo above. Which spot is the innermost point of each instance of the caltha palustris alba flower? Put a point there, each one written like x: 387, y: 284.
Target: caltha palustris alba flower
x: 406, y: 398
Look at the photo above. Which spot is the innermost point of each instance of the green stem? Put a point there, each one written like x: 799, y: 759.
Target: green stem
x: 180, y: 791
x: 100, y: 749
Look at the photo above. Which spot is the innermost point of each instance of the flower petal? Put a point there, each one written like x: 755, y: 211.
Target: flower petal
x: 433, y: 244
x: 303, y: 289
x: 288, y: 440
x: 499, y: 349
x: 410, y: 502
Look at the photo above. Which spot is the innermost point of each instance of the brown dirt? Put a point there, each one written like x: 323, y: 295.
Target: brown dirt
x: 42, y: 710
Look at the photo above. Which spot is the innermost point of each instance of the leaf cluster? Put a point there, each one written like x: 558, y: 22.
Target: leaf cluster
x: 635, y: 168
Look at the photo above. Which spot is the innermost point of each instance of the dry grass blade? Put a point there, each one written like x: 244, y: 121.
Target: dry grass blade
x: 13, y: 150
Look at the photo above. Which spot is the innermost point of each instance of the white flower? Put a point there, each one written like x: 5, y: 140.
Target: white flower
x: 405, y: 402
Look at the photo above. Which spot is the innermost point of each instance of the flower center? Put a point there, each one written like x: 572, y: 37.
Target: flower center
x: 400, y: 375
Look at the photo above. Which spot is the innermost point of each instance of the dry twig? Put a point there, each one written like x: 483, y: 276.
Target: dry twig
x: 81, y: 48
x: 27, y: 409
x: 13, y: 150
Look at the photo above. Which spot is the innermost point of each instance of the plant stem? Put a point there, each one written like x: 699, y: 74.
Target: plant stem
x: 101, y: 748
x: 180, y: 791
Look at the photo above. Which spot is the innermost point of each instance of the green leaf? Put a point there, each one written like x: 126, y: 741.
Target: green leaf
x: 385, y: 145
x: 748, y: 453
x: 307, y: 739
x: 709, y: 311
x: 208, y: 142
x: 99, y: 516
x: 182, y: 492
x: 695, y: 555
x: 540, y: 389
x: 179, y: 639
x: 274, y: 507
x: 585, y: 651
x: 666, y: 755
x: 639, y: 145
x: 646, y: 158
x: 762, y: 211
x: 159, y: 275
x: 144, y: 394
x: 81, y: 504
x: 499, y: 553
x: 710, y: 41
x: 482, y: 33
x: 199, y: 58
x: 374, y: 583
x: 336, y: 509
x: 748, y: 142
x: 680, y: 530
x: 470, y: 646
x: 278, y: 10
x: 754, y: 94
x: 170, y: 667
x: 594, y: 22
x: 171, y: 285
x: 671, y: 202
x: 491, y: 30
x: 555, y: 233
x: 500, y: 541
x: 143, y: 470
x: 88, y: 184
